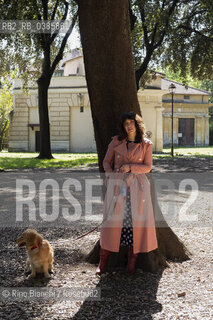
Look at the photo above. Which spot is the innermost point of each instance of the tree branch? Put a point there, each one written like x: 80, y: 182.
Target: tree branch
x: 61, y: 50
x: 195, y: 31
x: 54, y: 35
x: 144, y: 26
x: 41, y: 35
x: 133, y: 18
x: 54, y: 10
x: 163, y: 4
x: 154, y: 33
x: 150, y: 47
x: 45, y: 37
x: 45, y: 8
x: 171, y: 10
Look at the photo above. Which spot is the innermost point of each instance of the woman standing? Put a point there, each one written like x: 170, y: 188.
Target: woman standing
x: 128, y: 158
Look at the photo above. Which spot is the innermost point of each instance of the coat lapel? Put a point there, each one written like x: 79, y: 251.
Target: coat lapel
x: 127, y: 153
x: 121, y: 148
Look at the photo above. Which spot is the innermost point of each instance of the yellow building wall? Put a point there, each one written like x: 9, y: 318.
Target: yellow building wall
x: 155, y: 111
x: 199, y: 112
x: 150, y: 101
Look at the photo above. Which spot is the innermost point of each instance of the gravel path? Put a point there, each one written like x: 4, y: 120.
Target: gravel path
x: 183, y: 291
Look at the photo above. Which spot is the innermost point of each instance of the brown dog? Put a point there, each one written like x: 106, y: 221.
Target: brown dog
x: 40, y: 252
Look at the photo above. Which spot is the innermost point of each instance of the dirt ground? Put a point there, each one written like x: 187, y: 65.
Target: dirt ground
x: 182, y: 291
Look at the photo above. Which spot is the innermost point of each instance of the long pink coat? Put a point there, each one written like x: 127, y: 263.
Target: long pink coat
x: 139, y: 156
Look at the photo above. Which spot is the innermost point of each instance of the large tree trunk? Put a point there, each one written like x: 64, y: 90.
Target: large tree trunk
x: 110, y: 75
x: 109, y: 65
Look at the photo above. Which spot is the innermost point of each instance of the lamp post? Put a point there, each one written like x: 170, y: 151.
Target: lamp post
x: 172, y: 88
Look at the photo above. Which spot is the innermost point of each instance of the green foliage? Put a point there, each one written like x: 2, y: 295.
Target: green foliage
x: 25, y: 51
x: 6, y: 104
x: 177, y: 76
x: 137, y: 40
x: 176, y: 34
x: 190, y: 42
x: 208, y: 85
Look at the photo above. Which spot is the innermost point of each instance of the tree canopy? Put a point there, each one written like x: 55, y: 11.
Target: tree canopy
x: 174, y: 33
x: 28, y: 50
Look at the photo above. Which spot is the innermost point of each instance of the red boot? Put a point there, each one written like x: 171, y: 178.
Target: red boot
x: 132, y: 257
x: 102, y: 267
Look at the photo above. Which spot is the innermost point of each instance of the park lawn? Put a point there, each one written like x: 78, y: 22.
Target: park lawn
x: 24, y: 160
x: 187, y: 151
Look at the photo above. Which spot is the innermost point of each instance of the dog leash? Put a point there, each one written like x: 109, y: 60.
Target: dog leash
x: 85, y: 234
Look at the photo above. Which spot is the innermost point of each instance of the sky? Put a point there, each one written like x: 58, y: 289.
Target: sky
x: 74, y: 39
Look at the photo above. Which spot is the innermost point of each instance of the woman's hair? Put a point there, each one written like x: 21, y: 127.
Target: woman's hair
x: 139, y: 124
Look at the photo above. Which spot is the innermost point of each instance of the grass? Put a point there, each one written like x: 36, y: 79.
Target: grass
x: 24, y: 160
x: 193, y: 151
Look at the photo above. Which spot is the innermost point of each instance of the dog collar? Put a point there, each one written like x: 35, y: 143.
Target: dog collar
x: 38, y: 245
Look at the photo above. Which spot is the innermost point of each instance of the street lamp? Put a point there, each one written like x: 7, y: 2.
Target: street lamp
x: 172, y: 88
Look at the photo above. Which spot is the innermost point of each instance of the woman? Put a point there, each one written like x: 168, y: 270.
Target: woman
x: 128, y: 158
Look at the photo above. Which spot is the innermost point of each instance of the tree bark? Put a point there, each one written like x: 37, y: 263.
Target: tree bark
x: 45, y: 146
x: 109, y: 65
x: 110, y: 75
x: 47, y: 72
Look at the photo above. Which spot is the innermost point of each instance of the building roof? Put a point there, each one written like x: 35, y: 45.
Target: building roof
x: 181, y: 88
x: 158, y: 72
x: 75, y: 53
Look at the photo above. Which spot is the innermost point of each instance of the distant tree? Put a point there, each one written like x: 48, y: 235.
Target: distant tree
x: 161, y: 38
x: 43, y: 51
x: 190, y: 44
x: 6, y: 104
x: 174, y: 33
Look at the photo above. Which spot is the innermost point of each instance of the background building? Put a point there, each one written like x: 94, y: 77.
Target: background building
x: 71, y: 125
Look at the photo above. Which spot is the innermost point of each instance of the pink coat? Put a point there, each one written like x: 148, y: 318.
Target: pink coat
x: 139, y: 156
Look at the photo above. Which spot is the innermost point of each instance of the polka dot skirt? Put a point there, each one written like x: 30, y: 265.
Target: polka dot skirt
x: 127, y: 233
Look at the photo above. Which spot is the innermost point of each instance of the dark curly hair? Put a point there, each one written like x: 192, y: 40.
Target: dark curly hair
x: 139, y: 124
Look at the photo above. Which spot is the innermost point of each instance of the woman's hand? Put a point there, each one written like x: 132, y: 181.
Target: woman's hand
x: 125, y: 168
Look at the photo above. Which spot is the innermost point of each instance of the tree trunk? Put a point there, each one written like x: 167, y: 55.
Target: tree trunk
x: 110, y: 75
x: 109, y: 65
x: 45, y: 147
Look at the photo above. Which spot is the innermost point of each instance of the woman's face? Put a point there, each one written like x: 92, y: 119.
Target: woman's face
x: 129, y: 126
